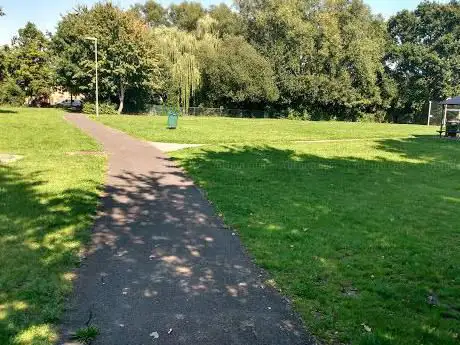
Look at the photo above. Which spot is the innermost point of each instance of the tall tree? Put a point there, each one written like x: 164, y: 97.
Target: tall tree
x: 28, y: 63
x: 3, y: 61
x: 185, y: 15
x: 229, y: 22
x: 151, y: 12
x: 127, y: 56
x: 69, y: 50
x: 178, y: 50
x: 2, y: 13
x: 327, y: 54
x: 425, y: 56
x: 236, y: 75
x: 181, y: 53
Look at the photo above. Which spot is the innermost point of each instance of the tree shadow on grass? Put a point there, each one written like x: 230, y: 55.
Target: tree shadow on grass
x: 354, y: 240
x: 434, y: 150
x: 7, y: 111
x: 40, y: 234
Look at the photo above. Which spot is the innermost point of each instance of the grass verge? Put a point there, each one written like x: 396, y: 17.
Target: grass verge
x: 47, y: 200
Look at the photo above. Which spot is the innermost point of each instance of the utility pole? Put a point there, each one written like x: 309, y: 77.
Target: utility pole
x: 94, y: 39
x: 429, y: 114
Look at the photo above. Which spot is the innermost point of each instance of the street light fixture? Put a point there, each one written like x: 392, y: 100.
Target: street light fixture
x: 94, y: 39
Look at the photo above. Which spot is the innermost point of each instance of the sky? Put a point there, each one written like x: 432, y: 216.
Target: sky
x: 46, y: 13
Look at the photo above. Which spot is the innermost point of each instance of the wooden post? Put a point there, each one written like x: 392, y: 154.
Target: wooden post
x: 429, y: 114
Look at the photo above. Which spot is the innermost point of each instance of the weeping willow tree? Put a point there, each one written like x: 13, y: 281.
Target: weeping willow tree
x: 206, y: 30
x: 187, y: 78
x: 207, y: 36
x: 180, y: 51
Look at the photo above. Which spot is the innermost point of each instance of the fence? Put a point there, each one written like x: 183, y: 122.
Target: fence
x: 421, y: 118
x: 200, y: 111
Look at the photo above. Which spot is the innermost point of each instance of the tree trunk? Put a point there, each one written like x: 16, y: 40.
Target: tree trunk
x: 122, y: 98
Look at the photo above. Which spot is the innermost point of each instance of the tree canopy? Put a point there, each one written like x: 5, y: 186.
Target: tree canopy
x: 26, y: 63
x: 178, y: 50
x: 424, y: 56
x: 127, y: 58
x: 229, y: 22
x: 327, y: 55
x: 151, y: 12
x: 235, y: 74
x: 185, y: 15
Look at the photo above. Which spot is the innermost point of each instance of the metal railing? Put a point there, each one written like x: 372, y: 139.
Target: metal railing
x: 201, y: 111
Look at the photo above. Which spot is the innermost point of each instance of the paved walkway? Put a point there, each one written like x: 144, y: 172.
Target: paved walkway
x: 162, y: 268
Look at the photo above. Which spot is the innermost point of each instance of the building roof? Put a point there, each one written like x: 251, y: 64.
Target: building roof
x: 451, y: 101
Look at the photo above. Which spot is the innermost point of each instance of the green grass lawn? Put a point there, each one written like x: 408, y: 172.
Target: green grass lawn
x: 363, y: 236
x: 47, y: 200
x: 217, y: 130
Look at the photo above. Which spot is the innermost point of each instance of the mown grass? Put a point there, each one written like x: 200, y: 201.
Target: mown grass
x: 363, y: 236
x: 47, y: 200
x: 217, y: 130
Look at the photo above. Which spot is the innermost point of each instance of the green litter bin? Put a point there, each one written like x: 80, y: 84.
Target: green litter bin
x: 172, y: 119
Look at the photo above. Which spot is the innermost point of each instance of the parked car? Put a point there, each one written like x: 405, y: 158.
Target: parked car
x: 65, y: 103
x: 76, y: 104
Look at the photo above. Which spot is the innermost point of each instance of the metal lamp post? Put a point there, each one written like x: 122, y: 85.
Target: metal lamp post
x: 94, y: 39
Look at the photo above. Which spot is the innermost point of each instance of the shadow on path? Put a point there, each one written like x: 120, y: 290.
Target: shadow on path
x: 161, y: 261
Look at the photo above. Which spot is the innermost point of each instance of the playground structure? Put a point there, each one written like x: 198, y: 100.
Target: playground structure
x: 450, y: 123
x: 450, y: 127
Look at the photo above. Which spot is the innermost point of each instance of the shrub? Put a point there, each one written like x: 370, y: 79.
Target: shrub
x: 298, y: 115
x: 11, y: 93
x: 377, y: 117
x: 104, y: 108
